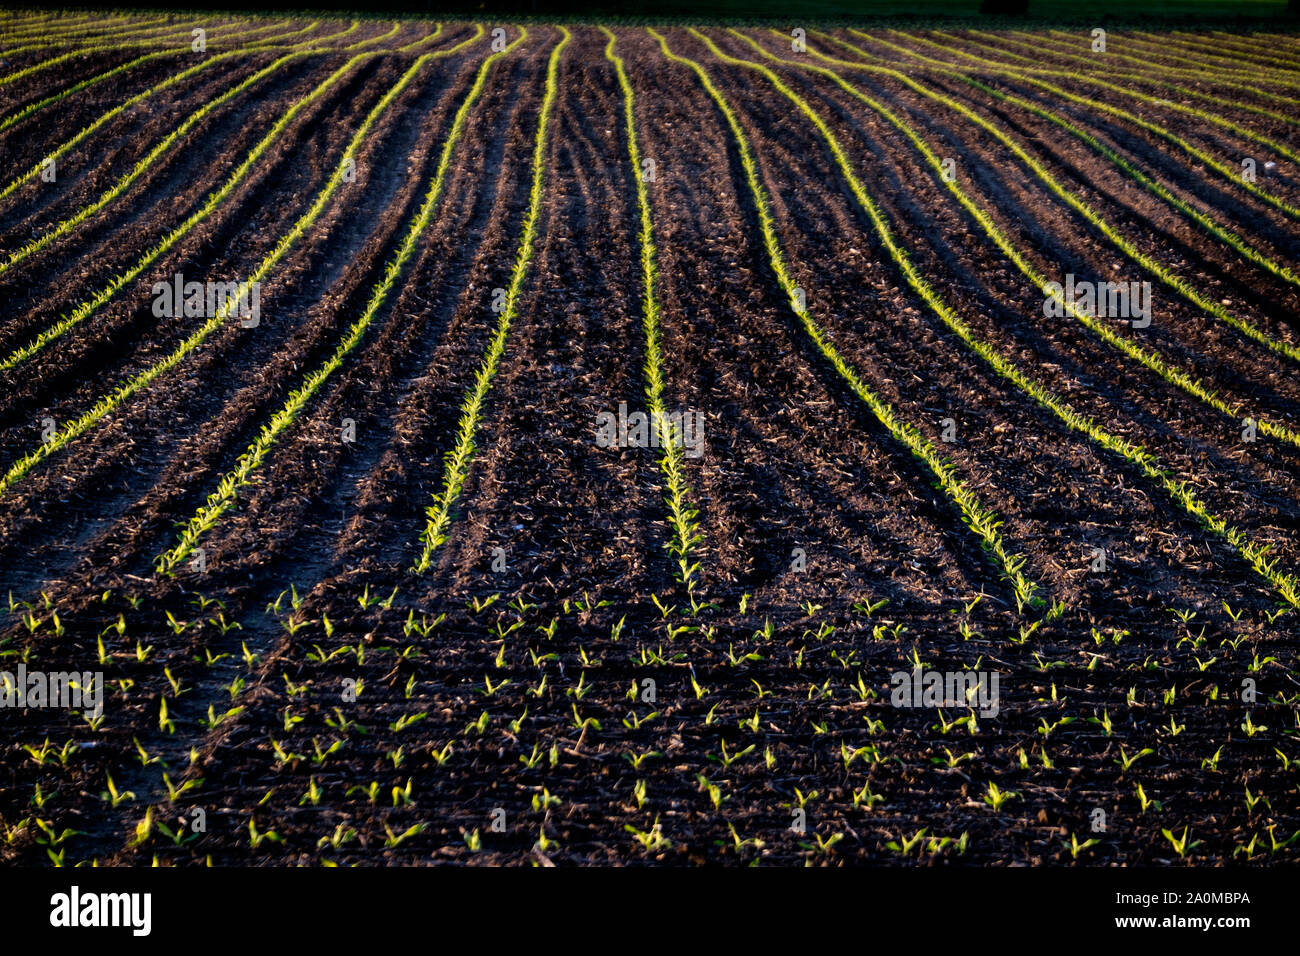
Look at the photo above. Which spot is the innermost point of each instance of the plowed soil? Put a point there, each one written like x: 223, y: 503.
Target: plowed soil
x: 555, y: 687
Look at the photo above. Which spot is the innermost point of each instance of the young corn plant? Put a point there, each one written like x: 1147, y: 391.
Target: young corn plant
x: 457, y: 460
x: 977, y: 517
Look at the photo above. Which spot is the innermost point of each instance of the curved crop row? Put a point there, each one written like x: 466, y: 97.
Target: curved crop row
x: 220, y: 39
x: 682, y: 513
x: 273, y: 43
x: 1065, y: 44
x: 305, y: 46
x: 101, y: 45
x: 375, y: 39
x: 1216, y: 63
x: 98, y: 45
x: 77, y: 427
x: 52, y: 98
x: 1153, y: 74
x: 1250, y: 44
x: 351, y: 29
x: 65, y: 226
x: 1223, y: 169
x: 88, y: 308
x: 227, y: 488
x: 1255, y: 555
x: 1152, y: 361
x: 74, y: 33
x: 1207, y: 305
x: 428, y: 37
x: 98, y: 78
x: 22, y: 27
x: 1193, y: 75
x: 982, y: 521
x: 165, y: 34
x: 140, y: 97
x: 68, y: 34
x: 1202, y: 219
x: 1038, y: 43
x: 458, y: 459
x: 37, y: 67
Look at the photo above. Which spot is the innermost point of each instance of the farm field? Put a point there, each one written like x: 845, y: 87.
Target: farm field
x: 330, y: 357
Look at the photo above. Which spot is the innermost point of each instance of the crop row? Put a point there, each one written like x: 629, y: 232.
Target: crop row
x: 224, y: 496
x: 684, y: 527
x: 1179, y: 491
x: 1146, y: 357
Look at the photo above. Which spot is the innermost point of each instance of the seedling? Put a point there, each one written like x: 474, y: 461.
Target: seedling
x: 1103, y: 721
x: 867, y: 607
x: 342, y: 835
x: 996, y: 797
x: 822, y: 844
x: 652, y: 840
x: 1127, y: 762
x: 394, y: 840
x: 716, y: 796
x: 1254, y: 800
x: 952, y: 761
x: 633, y: 722
x: 1275, y: 844
x: 1146, y: 802
x: 905, y: 845
x: 1075, y: 847
x: 1251, y: 728
x: 636, y: 760
x: 257, y: 837
x: 865, y: 796
x: 728, y: 759
x: 1181, y: 844
x: 113, y: 796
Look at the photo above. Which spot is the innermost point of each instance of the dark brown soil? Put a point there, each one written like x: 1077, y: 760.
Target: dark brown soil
x: 549, y: 691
